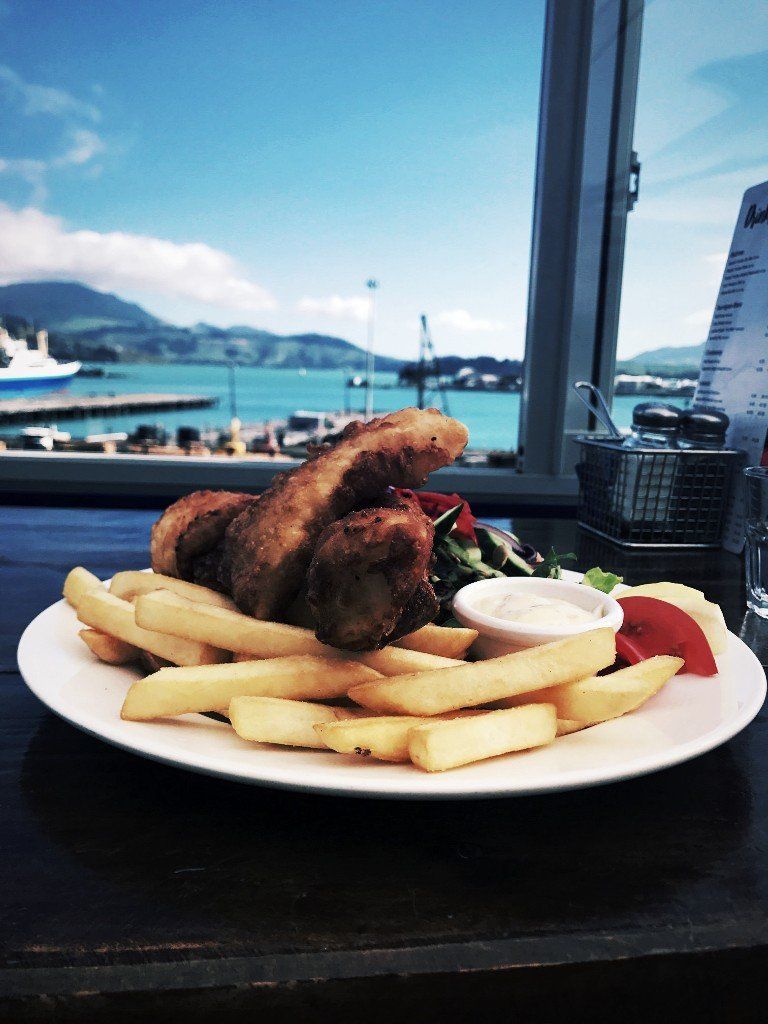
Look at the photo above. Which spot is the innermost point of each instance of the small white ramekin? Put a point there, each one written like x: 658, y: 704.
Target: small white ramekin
x: 503, y: 636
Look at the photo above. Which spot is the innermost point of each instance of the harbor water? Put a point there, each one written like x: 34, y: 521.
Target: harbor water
x: 267, y: 394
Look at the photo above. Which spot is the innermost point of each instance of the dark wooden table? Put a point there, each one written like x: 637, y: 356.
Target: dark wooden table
x: 133, y: 891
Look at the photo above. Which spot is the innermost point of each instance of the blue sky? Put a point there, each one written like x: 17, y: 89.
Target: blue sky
x: 255, y: 162
x: 701, y: 135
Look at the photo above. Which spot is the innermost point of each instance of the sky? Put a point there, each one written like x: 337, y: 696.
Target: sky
x: 701, y: 135
x: 256, y: 162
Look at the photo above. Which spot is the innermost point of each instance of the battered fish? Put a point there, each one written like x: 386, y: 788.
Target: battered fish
x: 187, y: 539
x: 269, y: 547
x: 368, y: 579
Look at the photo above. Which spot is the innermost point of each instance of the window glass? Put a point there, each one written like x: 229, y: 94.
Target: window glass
x: 193, y: 199
x: 699, y: 135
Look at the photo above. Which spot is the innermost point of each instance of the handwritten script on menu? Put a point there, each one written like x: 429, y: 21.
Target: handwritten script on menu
x: 734, y: 367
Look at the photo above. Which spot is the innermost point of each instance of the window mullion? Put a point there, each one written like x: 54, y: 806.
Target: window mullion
x: 589, y: 82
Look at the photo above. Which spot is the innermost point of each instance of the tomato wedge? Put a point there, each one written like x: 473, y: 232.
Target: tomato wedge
x: 654, y: 627
x: 628, y: 650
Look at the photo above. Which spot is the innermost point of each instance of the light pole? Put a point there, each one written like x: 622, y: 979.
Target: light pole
x: 232, y: 390
x: 372, y: 284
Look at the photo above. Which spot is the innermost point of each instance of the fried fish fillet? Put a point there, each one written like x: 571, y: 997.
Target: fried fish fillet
x: 187, y: 539
x: 269, y: 547
x: 368, y: 577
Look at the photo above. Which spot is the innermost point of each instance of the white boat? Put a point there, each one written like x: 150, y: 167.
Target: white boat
x: 25, y: 369
x: 306, y: 427
x: 43, y: 437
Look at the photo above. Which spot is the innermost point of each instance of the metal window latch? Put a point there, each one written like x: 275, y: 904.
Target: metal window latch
x: 633, y: 191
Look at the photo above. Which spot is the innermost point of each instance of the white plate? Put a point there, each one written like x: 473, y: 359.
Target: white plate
x: 690, y: 716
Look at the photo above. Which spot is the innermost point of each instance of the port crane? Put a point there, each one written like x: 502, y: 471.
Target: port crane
x: 429, y: 384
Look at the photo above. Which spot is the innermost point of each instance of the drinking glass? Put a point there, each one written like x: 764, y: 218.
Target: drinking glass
x: 756, y: 509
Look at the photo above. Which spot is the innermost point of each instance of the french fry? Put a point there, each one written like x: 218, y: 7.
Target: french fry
x: 152, y: 663
x: 234, y: 631
x: 467, y: 685
x: 131, y: 583
x: 181, y: 691
x: 397, y: 661
x: 437, y: 746
x: 109, y: 614
x: 384, y: 738
x: 565, y: 726
x: 389, y: 661
x: 601, y: 698
x: 289, y: 723
x: 77, y: 584
x: 108, y: 648
x: 445, y: 641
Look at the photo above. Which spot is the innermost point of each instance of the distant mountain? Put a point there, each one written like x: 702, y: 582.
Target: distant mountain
x: 68, y: 307
x: 90, y: 325
x: 87, y: 324
x: 662, y: 360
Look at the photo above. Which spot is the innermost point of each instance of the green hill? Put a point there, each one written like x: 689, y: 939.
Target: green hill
x: 684, y: 359
x: 92, y: 325
x: 66, y: 306
x: 88, y: 324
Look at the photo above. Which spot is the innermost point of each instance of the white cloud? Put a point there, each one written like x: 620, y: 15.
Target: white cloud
x: 461, y: 320
x: 84, y: 145
x: 44, y: 99
x: 31, y: 171
x: 699, y: 318
x: 35, y: 246
x: 81, y: 144
x: 352, y: 308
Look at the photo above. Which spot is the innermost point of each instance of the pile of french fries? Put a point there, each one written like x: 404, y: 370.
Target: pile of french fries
x: 417, y: 701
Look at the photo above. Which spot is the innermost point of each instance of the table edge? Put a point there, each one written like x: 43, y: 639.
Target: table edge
x: 548, y: 952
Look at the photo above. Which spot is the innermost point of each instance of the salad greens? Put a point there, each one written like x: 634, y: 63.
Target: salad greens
x: 603, y: 581
x: 458, y: 560
x: 550, y: 566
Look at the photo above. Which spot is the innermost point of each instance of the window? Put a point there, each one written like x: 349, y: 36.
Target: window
x: 167, y: 177
x: 341, y: 140
x: 698, y: 133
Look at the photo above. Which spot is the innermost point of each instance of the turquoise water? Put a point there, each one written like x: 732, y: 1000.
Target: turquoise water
x: 262, y: 394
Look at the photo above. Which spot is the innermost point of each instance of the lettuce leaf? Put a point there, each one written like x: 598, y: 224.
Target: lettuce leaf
x: 603, y: 581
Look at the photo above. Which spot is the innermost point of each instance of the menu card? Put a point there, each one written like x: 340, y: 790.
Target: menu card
x: 734, y: 366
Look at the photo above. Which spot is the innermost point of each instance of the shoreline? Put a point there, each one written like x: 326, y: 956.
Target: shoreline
x: 270, y: 395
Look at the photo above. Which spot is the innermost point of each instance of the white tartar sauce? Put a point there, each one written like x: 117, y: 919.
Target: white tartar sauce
x: 536, y: 610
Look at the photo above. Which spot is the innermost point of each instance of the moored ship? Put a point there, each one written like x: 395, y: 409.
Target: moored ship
x: 26, y: 369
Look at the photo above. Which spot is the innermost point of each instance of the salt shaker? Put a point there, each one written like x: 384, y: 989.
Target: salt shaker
x: 654, y: 425
x: 703, y: 428
x: 650, y: 474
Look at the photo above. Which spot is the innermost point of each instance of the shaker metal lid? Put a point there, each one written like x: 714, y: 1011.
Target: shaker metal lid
x: 656, y: 416
x: 702, y: 423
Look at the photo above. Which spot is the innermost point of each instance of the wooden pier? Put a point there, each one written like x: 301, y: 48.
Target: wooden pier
x: 72, y: 407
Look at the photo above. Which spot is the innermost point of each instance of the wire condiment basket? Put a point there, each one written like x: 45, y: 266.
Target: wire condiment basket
x: 644, y: 497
